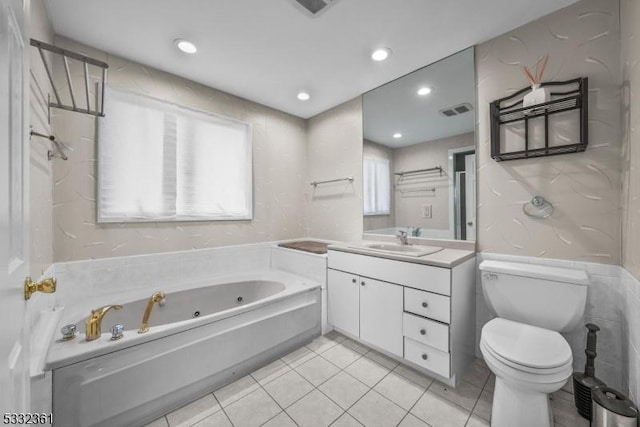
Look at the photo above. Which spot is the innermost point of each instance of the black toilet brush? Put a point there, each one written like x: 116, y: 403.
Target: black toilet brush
x: 585, y: 382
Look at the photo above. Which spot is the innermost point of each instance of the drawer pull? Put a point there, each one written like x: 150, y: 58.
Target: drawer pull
x: 353, y: 280
x: 425, y: 305
x: 362, y: 283
x: 424, y: 356
x: 423, y: 331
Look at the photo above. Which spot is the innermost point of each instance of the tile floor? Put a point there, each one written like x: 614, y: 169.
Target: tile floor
x: 335, y: 381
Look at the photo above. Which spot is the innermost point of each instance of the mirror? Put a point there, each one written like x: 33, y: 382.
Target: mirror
x: 419, y: 152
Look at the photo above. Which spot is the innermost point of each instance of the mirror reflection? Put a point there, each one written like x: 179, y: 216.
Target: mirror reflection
x: 419, y: 153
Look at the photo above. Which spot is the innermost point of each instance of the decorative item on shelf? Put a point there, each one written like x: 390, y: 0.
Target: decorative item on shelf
x: 538, y: 94
x: 538, y: 208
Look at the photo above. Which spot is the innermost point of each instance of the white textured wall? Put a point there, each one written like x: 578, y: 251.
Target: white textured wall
x: 630, y: 37
x: 280, y: 172
x: 41, y: 175
x: 581, y: 40
x: 335, y: 151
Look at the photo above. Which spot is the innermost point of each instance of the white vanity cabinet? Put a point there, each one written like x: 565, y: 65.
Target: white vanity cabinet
x: 424, y: 315
x: 360, y: 306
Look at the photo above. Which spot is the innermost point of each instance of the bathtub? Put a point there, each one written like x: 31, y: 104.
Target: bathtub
x: 205, y: 335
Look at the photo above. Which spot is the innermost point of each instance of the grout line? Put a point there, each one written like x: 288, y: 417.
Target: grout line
x: 222, y: 409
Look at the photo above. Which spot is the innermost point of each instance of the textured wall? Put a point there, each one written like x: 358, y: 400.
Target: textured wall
x: 279, y: 153
x: 581, y: 40
x: 374, y: 222
x: 425, y: 155
x: 630, y: 37
x: 41, y: 175
x: 335, y: 151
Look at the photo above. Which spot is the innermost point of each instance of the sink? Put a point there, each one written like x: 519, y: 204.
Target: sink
x: 410, y: 250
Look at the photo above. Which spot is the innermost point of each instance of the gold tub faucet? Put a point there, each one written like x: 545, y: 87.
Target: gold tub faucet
x: 94, y: 321
x: 158, y: 297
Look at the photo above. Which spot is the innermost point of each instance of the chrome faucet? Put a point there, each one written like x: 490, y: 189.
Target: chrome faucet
x: 94, y: 321
x: 401, y: 235
x: 157, y: 297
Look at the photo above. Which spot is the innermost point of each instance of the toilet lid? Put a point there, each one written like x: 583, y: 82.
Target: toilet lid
x: 526, y: 345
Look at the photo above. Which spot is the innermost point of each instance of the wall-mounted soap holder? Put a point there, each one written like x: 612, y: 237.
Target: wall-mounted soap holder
x: 538, y: 208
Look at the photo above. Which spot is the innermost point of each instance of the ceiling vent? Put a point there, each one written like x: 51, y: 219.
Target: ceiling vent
x: 456, y: 110
x: 314, y: 6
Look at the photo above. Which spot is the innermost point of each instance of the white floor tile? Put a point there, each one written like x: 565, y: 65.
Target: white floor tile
x: 399, y: 390
x: 314, y: 410
x: 381, y: 359
x: 236, y: 390
x: 439, y: 412
x: 288, y: 388
x: 412, y: 421
x: 321, y: 344
x: 298, y: 357
x: 356, y: 346
x: 565, y: 414
x: 367, y: 371
x: 344, y: 389
x: 194, y: 411
x: 475, y: 421
x: 280, y: 420
x: 415, y: 376
x: 478, y: 373
x: 270, y: 372
x: 335, y: 336
x: 346, y: 420
x: 341, y: 356
x: 317, y: 370
x: 483, y: 406
x: 253, y: 409
x: 374, y: 410
x: 160, y: 422
x: 219, y: 419
x: 464, y: 395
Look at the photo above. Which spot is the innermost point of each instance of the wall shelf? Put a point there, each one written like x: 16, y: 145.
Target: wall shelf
x: 570, y: 95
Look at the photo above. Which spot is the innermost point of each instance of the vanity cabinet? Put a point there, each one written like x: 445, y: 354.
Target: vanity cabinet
x: 366, y: 308
x: 423, y: 315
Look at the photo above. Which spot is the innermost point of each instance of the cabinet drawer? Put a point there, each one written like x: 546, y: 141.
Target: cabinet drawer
x: 426, y: 331
x: 427, y: 357
x: 427, y: 304
x: 419, y: 276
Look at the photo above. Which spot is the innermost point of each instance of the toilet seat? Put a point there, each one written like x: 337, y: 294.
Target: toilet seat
x: 526, y: 348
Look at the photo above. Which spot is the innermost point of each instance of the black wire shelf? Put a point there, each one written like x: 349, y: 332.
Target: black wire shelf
x: 572, y: 95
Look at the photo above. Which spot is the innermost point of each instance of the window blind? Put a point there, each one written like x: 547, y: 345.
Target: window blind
x: 377, y: 186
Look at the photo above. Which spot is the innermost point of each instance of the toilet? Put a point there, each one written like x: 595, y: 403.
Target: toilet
x: 523, y: 346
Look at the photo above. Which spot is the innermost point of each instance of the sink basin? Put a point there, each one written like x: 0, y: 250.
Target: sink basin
x: 410, y: 250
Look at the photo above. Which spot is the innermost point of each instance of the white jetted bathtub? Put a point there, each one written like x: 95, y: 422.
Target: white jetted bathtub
x: 199, y: 339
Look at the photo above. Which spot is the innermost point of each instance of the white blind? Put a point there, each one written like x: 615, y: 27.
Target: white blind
x: 161, y: 162
x: 377, y: 186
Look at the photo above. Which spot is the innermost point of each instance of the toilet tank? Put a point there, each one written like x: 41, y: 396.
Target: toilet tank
x: 549, y: 297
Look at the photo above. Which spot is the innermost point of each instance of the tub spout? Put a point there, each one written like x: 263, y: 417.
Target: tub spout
x: 94, y: 321
x: 158, y: 297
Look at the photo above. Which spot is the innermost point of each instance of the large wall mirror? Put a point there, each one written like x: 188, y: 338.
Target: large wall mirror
x: 419, y: 152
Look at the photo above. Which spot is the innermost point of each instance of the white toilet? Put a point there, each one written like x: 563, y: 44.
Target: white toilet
x: 522, y: 347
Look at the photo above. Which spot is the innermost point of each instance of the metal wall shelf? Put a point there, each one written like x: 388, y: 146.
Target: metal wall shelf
x: 509, y: 110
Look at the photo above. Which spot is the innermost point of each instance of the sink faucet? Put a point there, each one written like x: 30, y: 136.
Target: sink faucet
x: 401, y: 235
x: 94, y: 321
x: 158, y: 297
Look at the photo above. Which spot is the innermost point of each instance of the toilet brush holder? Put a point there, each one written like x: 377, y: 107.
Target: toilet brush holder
x: 585, y: 382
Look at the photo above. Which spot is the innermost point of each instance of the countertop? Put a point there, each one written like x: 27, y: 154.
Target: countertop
x: 447, y: 258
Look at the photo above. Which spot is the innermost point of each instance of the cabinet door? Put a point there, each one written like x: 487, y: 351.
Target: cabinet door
x: 381, y: 315
x: 343, y: 301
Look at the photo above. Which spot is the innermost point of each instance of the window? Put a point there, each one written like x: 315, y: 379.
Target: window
x: 161, y: 162
x: 377, y: 186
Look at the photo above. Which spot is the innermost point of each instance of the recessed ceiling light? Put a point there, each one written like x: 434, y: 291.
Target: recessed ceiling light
x: 185, y: 46
x: 381, y: 54
x: 424, y: 91
x: 304, y: 96
x: 397, y: 135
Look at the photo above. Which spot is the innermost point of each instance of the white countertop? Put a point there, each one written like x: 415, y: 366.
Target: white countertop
x: 447, y: 258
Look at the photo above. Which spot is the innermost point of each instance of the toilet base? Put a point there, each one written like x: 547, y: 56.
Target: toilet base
x: 516, y: 407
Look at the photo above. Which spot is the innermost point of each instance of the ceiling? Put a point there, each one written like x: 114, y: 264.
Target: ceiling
x: 397, y: 107
x: 269, y: 50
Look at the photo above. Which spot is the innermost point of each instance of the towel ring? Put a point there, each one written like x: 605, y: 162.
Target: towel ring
x: 538, y: 208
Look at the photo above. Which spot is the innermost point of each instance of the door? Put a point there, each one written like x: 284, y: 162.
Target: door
x: 470, y: 195
x: 14, y: 213
x: 381, y: 306
x: 344, y: 301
